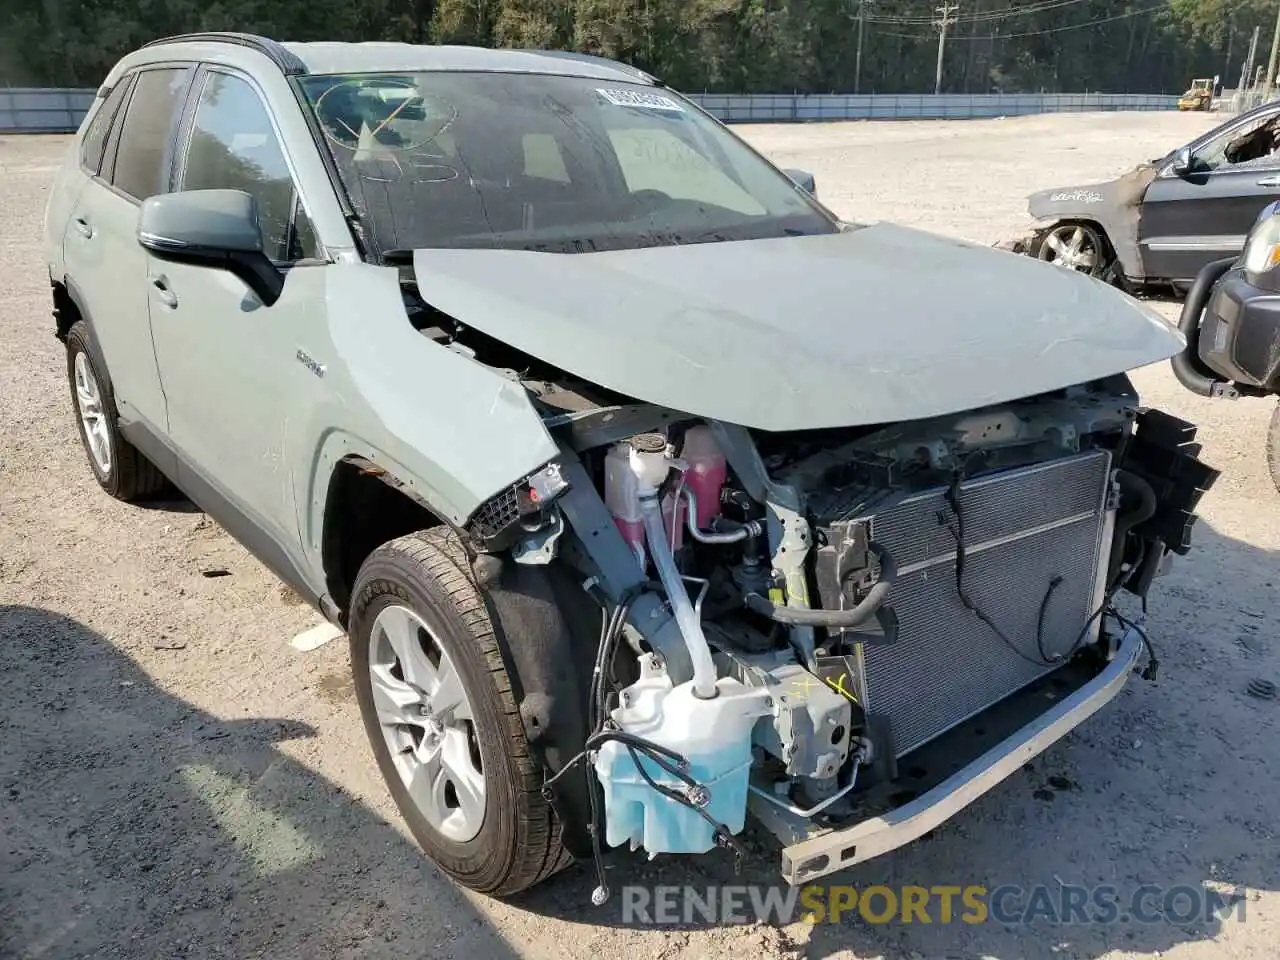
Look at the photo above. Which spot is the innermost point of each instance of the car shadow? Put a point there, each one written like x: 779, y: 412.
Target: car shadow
x: 1173, y: 784
x: 133, y: 824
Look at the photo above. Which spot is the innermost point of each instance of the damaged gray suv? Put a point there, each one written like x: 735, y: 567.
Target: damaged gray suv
x: 649, y: 493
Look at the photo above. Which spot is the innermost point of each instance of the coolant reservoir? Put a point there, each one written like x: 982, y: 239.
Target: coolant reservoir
x: 713, y: 735
x: 706, y: 473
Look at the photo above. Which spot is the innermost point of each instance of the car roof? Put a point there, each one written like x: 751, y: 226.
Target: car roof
x: 377, y: 57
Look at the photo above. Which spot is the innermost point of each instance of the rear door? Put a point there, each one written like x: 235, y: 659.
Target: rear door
x: 229, y: 363
x: 82, y: 163
x: 1192, y: 218
x: 105, y: 266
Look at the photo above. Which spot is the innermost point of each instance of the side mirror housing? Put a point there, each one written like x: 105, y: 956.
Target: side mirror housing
x: 1181, y: 162
x: 211, y: 228
x: 804, y: 180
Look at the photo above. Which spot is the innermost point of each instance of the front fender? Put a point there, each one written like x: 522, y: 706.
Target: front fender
x: 453, y: 431
x: 1114, y: 206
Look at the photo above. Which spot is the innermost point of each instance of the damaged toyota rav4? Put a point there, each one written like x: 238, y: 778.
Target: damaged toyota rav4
x: 649, y: 493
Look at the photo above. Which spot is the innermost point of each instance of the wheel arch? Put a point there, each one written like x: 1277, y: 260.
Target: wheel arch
x: 1119, y: 268
x: 1080, y: 220
x: 69, y: 308
x: 365, y: 505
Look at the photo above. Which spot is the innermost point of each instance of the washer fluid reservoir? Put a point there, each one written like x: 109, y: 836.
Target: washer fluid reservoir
x: 713, y: 735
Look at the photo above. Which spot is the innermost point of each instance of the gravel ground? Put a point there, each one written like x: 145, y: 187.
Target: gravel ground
x: 176, y: 780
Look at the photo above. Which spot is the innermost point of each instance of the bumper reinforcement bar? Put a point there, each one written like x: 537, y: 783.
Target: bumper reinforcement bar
x: 818, y: 856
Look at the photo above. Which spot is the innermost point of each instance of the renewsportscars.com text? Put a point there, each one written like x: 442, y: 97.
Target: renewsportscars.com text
x: 973, y: 904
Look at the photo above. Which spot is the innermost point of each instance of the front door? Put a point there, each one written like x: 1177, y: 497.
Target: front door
x: 228, y: 362
x: 1205, y: 213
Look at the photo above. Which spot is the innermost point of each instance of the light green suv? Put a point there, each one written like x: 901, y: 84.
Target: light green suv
x: 648, y: 492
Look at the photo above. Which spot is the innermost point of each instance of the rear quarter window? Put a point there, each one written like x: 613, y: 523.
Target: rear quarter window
x: 94, y: 141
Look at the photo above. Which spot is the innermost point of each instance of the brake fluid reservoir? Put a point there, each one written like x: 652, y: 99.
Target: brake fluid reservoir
x: 713, y: 735
x: 621, y: 496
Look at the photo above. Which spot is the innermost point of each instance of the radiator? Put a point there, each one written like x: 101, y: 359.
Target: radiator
x: 1023, y: 528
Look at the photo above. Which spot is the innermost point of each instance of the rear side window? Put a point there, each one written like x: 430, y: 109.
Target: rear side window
x: 95, y: 138
x: 149, y: 122
x: 234, y: 147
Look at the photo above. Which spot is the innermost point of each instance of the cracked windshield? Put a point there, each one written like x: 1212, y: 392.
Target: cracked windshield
x: 549, y: 163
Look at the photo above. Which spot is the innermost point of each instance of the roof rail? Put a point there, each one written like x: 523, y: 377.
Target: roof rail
x: 601, y: 61
x: 288, y: 62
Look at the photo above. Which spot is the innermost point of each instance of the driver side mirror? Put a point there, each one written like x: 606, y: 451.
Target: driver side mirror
x: 211, y: 228
x: 804, y: 180
x: 1181, y: 162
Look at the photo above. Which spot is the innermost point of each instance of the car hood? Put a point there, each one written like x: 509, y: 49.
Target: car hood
x: 875, y: 325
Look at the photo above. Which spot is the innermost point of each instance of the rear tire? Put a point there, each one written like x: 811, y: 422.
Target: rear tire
x: 120, y: 469
x: 424, y: 580
x: 1273, y: 447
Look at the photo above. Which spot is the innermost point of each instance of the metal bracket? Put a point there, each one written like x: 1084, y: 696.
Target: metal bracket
x: 540, y: 547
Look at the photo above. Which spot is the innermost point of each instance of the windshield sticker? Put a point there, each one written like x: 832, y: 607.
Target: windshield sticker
x: 640, y: 98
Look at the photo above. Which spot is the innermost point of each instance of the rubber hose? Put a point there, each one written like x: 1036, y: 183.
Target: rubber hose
x: 704, y: 668
x: 834, y: 619
x: 1187, y: 365
x: 1131, y: 485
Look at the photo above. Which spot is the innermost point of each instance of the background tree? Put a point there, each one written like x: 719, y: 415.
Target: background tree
x: 716, y: 45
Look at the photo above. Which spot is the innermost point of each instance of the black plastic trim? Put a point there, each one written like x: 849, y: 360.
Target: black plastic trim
x: 354, y: 223
x: 289, y: 63
x: 546, y: 629
x: 1245, y: 319
x: 1190, y: 370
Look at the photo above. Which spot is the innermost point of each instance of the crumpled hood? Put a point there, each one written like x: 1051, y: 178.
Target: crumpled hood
x: 875, y: 325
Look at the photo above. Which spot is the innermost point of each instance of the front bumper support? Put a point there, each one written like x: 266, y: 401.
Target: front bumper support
x: 818, y: 856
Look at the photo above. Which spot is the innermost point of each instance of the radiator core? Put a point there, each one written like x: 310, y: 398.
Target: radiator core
x: 1023, y: 529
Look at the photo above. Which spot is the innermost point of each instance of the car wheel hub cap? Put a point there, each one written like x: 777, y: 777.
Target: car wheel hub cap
x: 427, y: 722
x: 92, y: 418
x: 1072, y: 248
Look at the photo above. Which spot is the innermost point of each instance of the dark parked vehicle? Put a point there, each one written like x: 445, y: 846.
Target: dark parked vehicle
x: 1231, y: 320
x: 1164, y: 220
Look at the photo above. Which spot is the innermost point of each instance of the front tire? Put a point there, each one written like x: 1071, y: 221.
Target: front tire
x: 1076, y: 246
x: 120, y: 469
x: 1273, y: 447
x: 442, y: 719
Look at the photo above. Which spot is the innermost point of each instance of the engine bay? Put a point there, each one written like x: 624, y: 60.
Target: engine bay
x: 789, y: 618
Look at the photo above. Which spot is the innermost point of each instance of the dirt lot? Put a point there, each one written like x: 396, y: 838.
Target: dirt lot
x: 176, y: 780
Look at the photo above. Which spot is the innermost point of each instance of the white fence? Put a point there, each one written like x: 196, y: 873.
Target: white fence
x: 26, y: 110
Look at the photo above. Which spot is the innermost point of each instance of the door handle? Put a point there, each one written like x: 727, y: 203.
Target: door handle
x: 163, y: 293
x: 1272, y: 181
x: 83, y: 227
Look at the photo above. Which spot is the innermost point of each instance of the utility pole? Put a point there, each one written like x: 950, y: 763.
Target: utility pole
x: 862, y: 27
x: 946, y: 17
x: 1271, y: 64
x: 1226, y: 70
x: 1246, y: 72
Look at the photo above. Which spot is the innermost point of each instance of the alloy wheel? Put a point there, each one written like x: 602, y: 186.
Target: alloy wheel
x: 427, y: 722
x: 1071, y: 246
x: 89, y: 405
